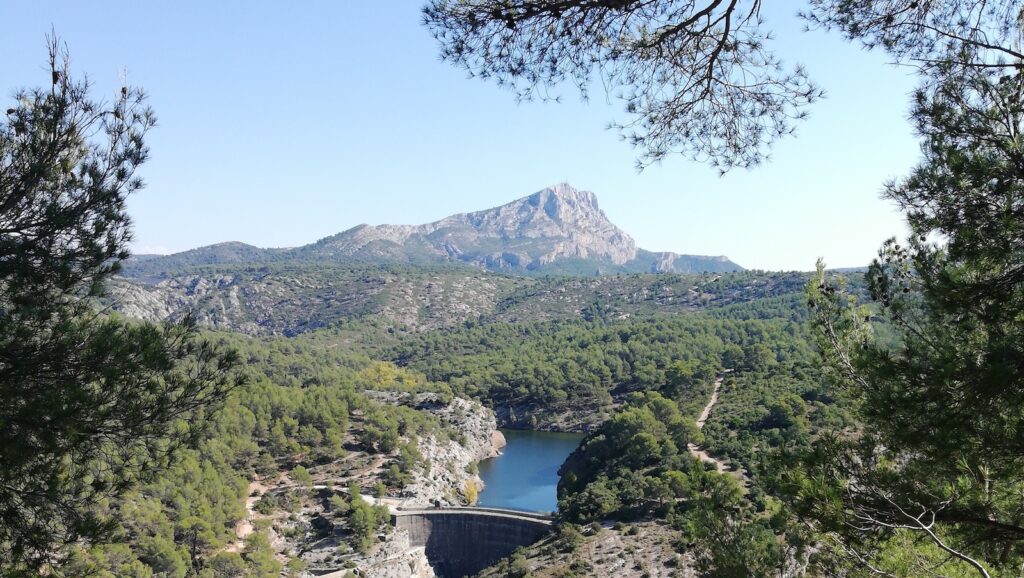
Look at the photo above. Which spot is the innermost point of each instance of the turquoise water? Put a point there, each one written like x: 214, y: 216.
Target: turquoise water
x: 525, y: 476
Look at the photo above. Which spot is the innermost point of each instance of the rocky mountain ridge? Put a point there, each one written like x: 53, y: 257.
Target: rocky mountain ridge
x: 557, y: 230
x: 292, y: 299
x: 555, y: 223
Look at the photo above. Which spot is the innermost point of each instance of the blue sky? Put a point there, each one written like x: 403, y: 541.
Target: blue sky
x: 283, y: 123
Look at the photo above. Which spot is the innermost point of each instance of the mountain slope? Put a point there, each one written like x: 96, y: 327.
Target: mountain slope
x: 558, y: 230
x: 289, y: 299
x: 553, y: 224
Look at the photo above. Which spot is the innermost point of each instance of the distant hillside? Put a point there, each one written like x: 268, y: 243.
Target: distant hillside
x: 294, y: 298
x: 231, y: 252
x: 616, y: 297
x: 558, y: 230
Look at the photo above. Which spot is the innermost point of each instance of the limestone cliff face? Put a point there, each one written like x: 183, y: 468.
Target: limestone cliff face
x: 451, y: 459
x: 221, y: 301
x: 669, y: 262
x: 476, y: 437
x: 394, y: 558
x: 558, y: 222
x: 470, y: 435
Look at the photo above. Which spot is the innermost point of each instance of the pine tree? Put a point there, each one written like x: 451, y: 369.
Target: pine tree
x: 941, y: 457
x: 89, y: 404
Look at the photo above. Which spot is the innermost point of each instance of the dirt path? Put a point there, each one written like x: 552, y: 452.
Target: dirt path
x: 696, y: 451
x: 711, y: 403
x: 244, y: 527
x: 702, y: 455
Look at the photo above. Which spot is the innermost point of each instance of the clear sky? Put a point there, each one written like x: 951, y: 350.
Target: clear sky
x: 281, y: 123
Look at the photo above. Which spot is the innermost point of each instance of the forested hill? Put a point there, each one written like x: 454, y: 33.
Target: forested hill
x: 556, y: 231
x: 570, y: 374
x: 293, y: 298
x: 563, y: 353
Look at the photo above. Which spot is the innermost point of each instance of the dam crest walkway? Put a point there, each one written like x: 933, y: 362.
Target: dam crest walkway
x: 476, y: 510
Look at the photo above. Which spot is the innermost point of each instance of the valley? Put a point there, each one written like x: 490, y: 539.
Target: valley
x: 382, y: 385
x: 336, y: 380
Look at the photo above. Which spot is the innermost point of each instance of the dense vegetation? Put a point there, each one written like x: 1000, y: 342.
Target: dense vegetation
x: 619, y: 296
x: 939, y: 462
x: 544, y: 368
x: 906, y: 461
x: 90, y: 405
x: 653, y: 375
x: 636, y: 463
x: 304, y: 406
x: 636, y: 467
x: 930, y: 480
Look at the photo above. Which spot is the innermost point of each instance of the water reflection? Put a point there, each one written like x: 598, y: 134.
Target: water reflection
x: 525, y: 476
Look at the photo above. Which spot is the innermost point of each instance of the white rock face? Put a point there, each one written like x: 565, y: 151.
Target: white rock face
x: 288, y: 303
x: 443, y: 483
x: 475, y: 437
x: 215, y: 300
x: 450, y: 460
x: 393, y: 559
x: 664, y: 262
x: 351, y: 241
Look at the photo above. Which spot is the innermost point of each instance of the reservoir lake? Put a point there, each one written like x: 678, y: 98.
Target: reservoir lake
x: 525, y: 475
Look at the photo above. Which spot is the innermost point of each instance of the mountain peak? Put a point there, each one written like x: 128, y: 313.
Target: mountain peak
x: 565, y: 207
x: 565, y: 193
x: 570, y: 193
x: 558, y: 228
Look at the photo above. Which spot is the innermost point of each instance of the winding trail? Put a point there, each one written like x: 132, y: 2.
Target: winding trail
x: 376, y: 464
x: 711, y: 403
x: 692, y: 447
x: 704, y: 456
x: 244, y: 527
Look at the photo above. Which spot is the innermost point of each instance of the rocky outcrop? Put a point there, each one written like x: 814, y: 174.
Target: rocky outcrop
x: 669, y: 262
x: 451, y: 460
x: 498, y: 440
x: 217, y: 300
x: 474, y: 436
x: 664, y: 262
x: 395, y: 558
x: 312, y: 530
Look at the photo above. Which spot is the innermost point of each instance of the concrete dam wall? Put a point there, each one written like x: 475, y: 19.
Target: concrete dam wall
x: 462, y: 541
